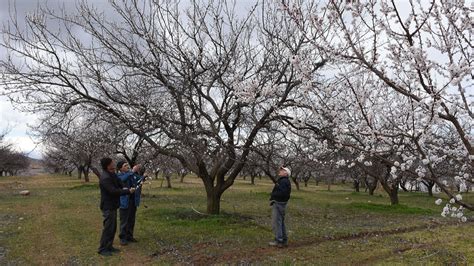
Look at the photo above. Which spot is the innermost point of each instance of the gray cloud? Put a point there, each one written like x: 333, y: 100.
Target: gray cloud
x: 10, y: 117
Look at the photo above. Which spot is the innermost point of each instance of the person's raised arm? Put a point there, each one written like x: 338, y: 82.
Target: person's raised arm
x: 125, y: 176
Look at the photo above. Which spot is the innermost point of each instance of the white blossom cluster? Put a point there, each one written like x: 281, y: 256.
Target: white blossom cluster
x: 450, y: 210
x: 403, y: 98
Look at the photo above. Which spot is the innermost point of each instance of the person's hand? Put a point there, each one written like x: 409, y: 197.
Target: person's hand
x: 132, y: 190
x: 136, y: 168
x: 272, y: 202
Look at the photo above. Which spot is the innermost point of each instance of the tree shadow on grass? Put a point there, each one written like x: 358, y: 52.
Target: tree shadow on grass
x: 189, y: 215
x: 85, y: 187
x: 397, y: 209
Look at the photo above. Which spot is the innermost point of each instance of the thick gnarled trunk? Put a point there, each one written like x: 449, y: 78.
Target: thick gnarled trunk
x: 214, y: 201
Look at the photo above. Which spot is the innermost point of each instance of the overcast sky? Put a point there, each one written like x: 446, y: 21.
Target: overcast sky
x: 18, y: 122
x: 11, y: 118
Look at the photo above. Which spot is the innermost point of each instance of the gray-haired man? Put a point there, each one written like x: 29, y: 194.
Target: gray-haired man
x: 278, y: 200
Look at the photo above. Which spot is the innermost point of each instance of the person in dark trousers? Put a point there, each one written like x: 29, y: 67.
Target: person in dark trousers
x: 110, y: 191
x: 128, y: 203
x: 278, y: 201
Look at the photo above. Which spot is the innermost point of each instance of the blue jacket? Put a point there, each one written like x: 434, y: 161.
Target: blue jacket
x: 130, y: 179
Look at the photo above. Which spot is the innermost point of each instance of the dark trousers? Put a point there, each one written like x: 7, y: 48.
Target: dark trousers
x: 127, y: 220
x: 108, y: 232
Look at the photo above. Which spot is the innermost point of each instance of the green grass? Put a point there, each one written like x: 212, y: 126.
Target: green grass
x: 60, y: 223
x: 85, y: 187
x: 384, y: 208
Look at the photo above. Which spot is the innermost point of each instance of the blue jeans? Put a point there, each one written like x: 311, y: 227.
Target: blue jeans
x: 278, y: 222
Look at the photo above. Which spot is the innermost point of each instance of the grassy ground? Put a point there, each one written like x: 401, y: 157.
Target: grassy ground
x: 60, y: 223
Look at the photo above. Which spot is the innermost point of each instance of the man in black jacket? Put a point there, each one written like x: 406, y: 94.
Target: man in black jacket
x: 278, y: 200
x: 110, y: 191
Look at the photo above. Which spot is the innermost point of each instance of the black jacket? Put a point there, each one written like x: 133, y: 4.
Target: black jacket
x: 282, y: 190
x: 110, y: 191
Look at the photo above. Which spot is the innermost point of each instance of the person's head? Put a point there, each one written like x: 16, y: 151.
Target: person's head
x: 107, y: 164
x: 284, y: 171
x: 123, y: 166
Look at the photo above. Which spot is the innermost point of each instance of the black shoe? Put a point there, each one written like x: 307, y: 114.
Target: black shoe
x: 123, y: 242
x: 132, y: 240
x: 112, y: 249
x: 105, y: 253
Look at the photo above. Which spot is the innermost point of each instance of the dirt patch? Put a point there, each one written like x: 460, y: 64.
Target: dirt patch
x: 12, y: 186
x: 256, y: 255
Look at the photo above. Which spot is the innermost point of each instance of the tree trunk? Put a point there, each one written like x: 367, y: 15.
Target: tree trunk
x: 306, y: 182
x: 297, y: 184
x: 79, y: 172
x: 181, y: 180
x: 168, y: 181
x: 371, y: 190
x: 430, y: 188
x: 394, y: 196
x: 86, y: 174
x: 402, y: 185
x: 252, y: 179
x: 86, y: 177
x: 392, y: 192
x: 357, y: 185
x: 372, y: 187
x: 390, y: 188
x: 214, y: 202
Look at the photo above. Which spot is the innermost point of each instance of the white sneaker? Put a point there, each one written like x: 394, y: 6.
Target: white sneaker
x: 273, y: 243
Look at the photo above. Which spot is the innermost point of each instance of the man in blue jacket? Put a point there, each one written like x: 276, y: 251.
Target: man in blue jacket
x: 128, y: 203
x: 278, y: 200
